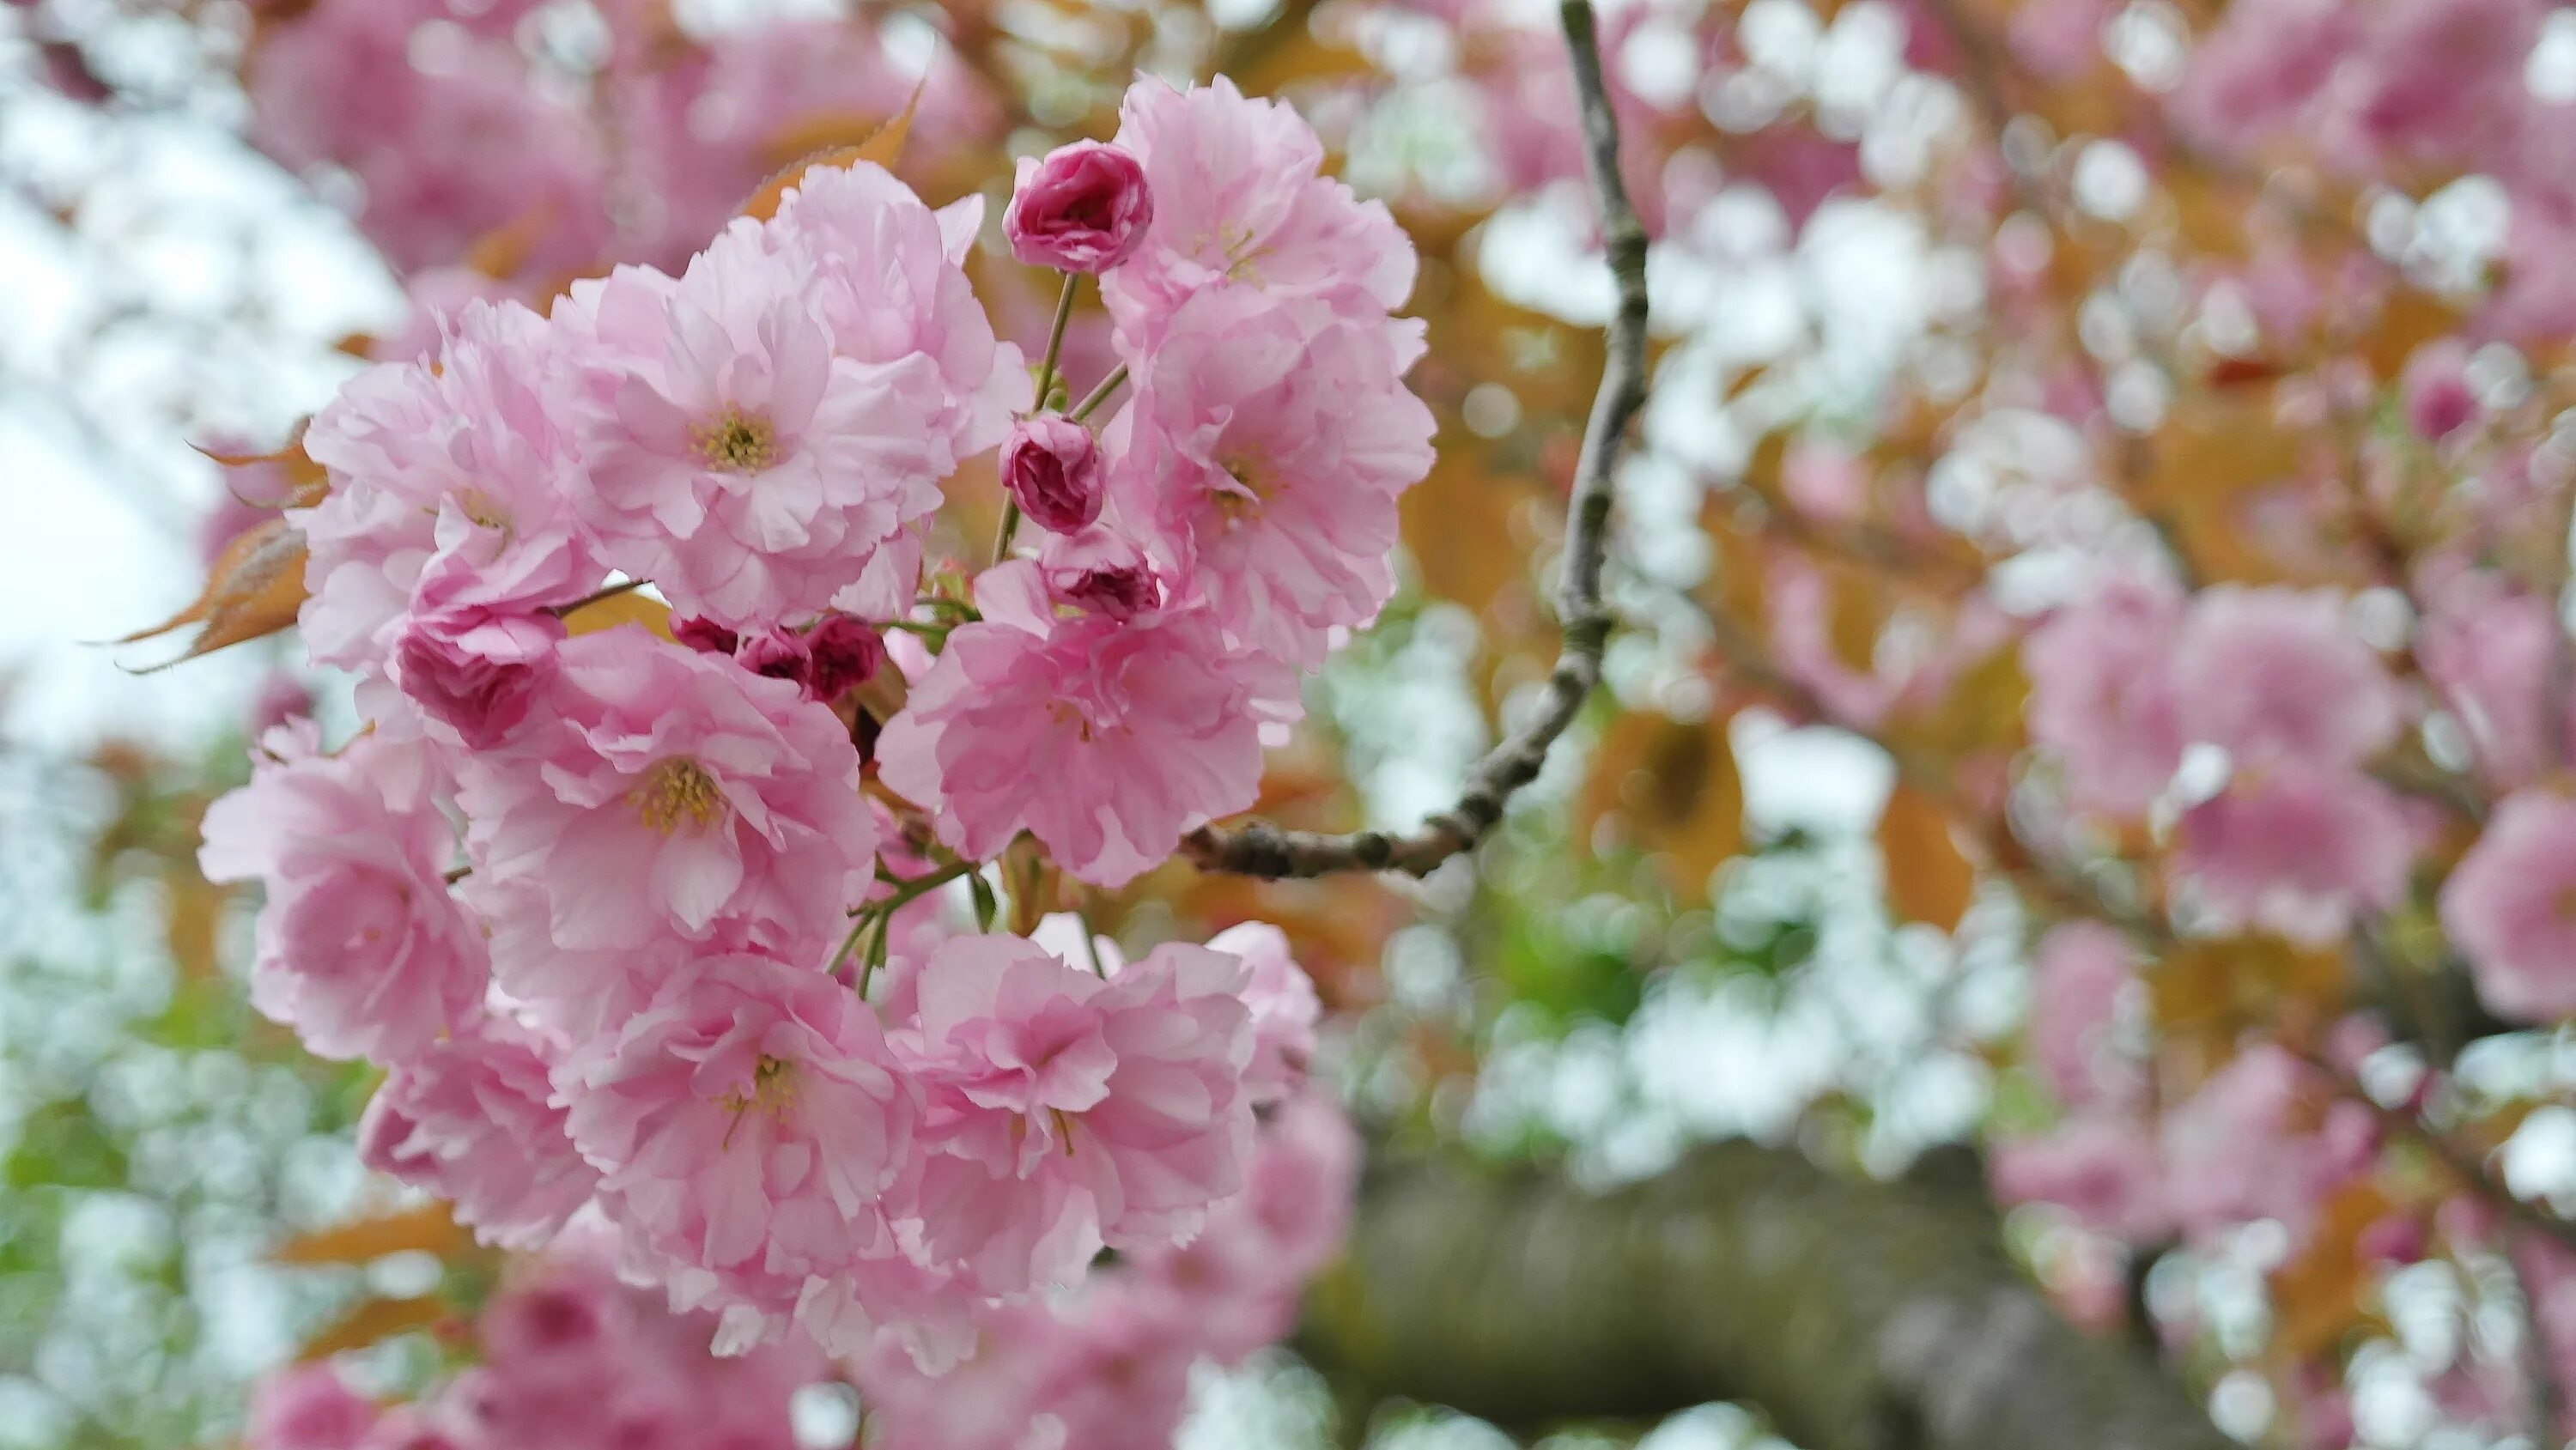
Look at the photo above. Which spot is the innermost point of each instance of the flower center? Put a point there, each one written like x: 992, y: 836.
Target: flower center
x: 1067, y: 713
x: 483, y: 510
x: 736, y: 442
x: 772, y: 1091
x: 1244, y: 499
x: 677, y: 791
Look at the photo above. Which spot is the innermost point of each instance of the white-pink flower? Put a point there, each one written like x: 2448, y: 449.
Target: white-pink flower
x: 2280, y: 674
x: 735, y: 459
x: 1065, y: 1111
x: 1263, y: 456
x: 2102, y: 695
x: 2510, y: 907
x: 746, y: 1126
x: 1239, y: 202
x: 1141, y: 728
x: 662, y: 793
x: 2296, y: 849
x: 472, y: 1119
x: 1283, y: 1004
x: 361, y: 948
x: 462, y: 459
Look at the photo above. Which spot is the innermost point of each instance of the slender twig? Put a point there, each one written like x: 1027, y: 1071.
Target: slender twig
x: 1100, y: 394
x: 1055, y: 337
x: 1261, y: 849
x: 610, y: 591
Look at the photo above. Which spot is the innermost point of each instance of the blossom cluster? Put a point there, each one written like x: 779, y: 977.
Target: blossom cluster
x: 649, y: 921
x: 569, y: 1357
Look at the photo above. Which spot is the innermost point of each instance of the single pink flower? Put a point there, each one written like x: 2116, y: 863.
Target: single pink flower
x: 2261, y: 1140
x: 463, y: 461
x: 2100, y: 1165
x: 1284, y: 1009
x: 2077, y: 975
x: 1083, y: 208
x: 361, y: 948
x: 2510, y: 907
x: 1265, y: 457
x: 665, y: 795
x: 471, y: 667
x: 779, y: 654
x: 1053, y: 469
x: 2278, y: 674
x: 2296, y: 849
x: 472, y: 1119
x: 2488, y: 649
x: 1066, y: 1111
x: 307, y: 1407
x: 1237, y: 1285
x: 2434, y: 390
x: 1099, y: 571
x: 735, y: 459
x: 2102, y: 696
x: 1239, y: 202
x: 1144, y: 728
x: 746, y: 1126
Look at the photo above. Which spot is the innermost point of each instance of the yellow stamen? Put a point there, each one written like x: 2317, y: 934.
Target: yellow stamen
x: 677, y: 791
x: 773, y: 1091
x: 736, y: 442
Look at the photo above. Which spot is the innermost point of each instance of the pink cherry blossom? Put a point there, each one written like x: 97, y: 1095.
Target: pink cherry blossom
x: 462, y: 461
x: 2101, y: 696
x: 1237, y: 1285
x: 2279, y: 674
x: 1066, y: 1111
x: 2259, y: 1140
x: 361, y: 948
x: 2098, y: 1165
x: 2078, y: 972
x: 2510, y: 907
x: 1080, y: 208
x: 890, y: 281
x: 1099, y: 571
x: 2435, y: 390
x: 734, y: 459
x: 1239, y: 203
x: 472, y: 668
x: 2295, y: 849
x: 1053, y: 469
x: 662, y: 792
x: 1267, y: 458
x: 842, y: 652
x: 472, y: 1119
x: 307, y: 1407
x: 1283, y: 1004
x: 2489, y: 651
x: 746, y: 1126
x: 1142, y: 727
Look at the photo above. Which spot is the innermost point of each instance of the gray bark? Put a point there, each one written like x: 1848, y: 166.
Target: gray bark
x: 1856, y: 1315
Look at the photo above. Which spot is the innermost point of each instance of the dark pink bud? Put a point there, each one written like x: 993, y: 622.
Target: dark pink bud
x: 777, y: 653
x: 845, y: 653
x: 1082, y: 209
x: 1099, y: 572
x: 475, y: 668
x: 2435, y: 387
x: 1053, y: 468
x: 705, y: 635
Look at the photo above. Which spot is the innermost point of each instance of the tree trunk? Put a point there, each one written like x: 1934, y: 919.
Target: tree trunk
x: 1857, y: 1315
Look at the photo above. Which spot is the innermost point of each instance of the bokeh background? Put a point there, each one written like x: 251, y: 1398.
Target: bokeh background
x: 1959, y: 306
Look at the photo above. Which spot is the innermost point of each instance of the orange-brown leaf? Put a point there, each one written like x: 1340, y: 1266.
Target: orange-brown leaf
x: 428, y: 1229
x: 254, y: 588
x: 1928, y: 878
x: 883, y: 146
x: 372, y: 1321
x: 1673, y: 790
x: 2320, y: 1296
x: 627, y: 608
